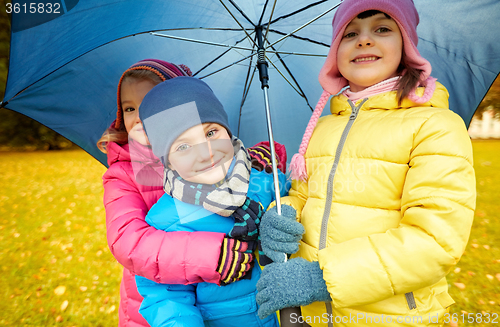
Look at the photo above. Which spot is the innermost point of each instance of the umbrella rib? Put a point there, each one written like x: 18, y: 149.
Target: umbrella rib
x: 263, y: 12
x: 237, y: 21
x: 234, y: 63
x: 201, y: 41
x: 241, y: 12
x: 246, y: 90
x: 298, y: 11
x: 282, y: 75
x: 306, y: 24
x: 270, y: 18
x: 217, y: 58
x: 301, y: 38
x: 301, y: 93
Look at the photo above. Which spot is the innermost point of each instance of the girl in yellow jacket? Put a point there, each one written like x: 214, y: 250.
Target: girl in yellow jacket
x: 384, y: 187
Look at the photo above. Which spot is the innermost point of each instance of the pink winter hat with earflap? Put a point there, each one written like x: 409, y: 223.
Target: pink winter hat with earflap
x: 402, y: 11
x: 405, y: 15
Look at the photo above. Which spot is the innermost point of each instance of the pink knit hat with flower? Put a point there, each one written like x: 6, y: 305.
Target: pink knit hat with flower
x: 405, y: 15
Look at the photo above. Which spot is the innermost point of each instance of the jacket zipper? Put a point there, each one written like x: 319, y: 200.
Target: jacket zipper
x: 329, y: 190
x: 410, y: 299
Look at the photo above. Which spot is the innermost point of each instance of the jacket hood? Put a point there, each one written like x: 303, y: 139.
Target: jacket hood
x: 146, y: 167
x: 388, y: 100
x: 117, y: 152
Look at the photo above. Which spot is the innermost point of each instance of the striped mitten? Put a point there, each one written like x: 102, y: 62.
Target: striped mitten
x: 234, y: 262
x: 247, y: 220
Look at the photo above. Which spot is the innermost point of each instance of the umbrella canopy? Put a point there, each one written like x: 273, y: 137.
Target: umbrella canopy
x: 64, y: 67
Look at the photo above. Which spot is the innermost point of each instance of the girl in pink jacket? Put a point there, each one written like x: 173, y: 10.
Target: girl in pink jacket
x: 132, y: 184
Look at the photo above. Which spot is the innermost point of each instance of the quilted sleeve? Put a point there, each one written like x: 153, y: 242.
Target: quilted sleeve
x: 437, y: 209
x: 163, y: 257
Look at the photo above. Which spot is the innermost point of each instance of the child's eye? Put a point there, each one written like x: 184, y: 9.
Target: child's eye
x: 383, y: 30
x: 129, y: 109
x: 349, y: 35
x: 211, y: 133
x: 182, y: 147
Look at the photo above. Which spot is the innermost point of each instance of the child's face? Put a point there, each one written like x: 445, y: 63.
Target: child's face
x: 370, y: 51
x: 132, y: 92
x: 202, y: 154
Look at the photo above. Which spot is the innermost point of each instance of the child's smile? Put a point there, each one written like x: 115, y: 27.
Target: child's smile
x: 202, y: 154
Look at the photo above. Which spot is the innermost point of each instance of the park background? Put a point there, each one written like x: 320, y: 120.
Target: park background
x: 56, y: 268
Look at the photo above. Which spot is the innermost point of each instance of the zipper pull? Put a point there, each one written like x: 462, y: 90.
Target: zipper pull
x: 354, y: 113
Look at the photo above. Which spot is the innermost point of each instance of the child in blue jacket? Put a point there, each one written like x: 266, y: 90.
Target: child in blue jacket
x: 210, y: 186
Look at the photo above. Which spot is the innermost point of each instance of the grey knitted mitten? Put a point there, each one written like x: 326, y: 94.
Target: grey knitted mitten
x: 290, y: 284
x: 280, y: 233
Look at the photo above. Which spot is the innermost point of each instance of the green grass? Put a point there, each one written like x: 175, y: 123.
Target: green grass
x: 53, y: 233
x: 480, y: 265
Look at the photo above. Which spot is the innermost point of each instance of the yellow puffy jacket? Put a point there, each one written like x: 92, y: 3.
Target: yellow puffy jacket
x: 387, y: 209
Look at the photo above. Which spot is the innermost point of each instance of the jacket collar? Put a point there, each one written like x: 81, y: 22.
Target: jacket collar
x: 388, y: 100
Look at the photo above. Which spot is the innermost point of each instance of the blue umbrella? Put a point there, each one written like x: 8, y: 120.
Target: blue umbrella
x: 66, y: 58
x: 65, y: 64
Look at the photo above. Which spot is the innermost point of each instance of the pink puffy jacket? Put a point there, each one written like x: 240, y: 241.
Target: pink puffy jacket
x: 132, y: 184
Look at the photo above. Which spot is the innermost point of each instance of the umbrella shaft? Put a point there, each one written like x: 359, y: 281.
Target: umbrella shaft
x: 273, y: 152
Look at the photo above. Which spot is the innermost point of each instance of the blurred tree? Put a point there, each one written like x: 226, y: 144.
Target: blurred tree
x: 17, y: 130
x: 491, y: 100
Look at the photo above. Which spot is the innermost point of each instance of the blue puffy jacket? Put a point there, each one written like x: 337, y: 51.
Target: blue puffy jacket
x: 205, y: 304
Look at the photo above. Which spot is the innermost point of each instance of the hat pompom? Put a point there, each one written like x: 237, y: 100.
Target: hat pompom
x: 298, y: 167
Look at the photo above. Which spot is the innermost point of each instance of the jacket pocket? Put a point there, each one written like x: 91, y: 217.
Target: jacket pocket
x: 238, y: 306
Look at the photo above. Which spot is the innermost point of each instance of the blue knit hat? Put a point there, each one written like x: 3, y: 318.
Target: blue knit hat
x: 176, y: 105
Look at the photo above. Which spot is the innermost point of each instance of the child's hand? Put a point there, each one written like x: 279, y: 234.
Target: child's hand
x: 291, y: 284
x: 247, y: 220
x: 280, y: 233
x: 234, y: 262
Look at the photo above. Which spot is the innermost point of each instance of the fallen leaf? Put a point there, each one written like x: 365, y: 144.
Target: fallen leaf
x: 111, y: 309
x: 490, y: 277
x: 460, y: 286
x: 59, y: 290
x: 498, y: 276
x: 453, y: 324
x: 64, y: 305
x: 87, y: 300
x: 492, y: 302
x: 471, y: 273
x: 81, y: 259
x: 83, y: 288
x: 106, y: 300
x: 59, y: 319
x: 481, y: 302
x: 474, y: 245
x: 457, y: 270
x: 487, y: 247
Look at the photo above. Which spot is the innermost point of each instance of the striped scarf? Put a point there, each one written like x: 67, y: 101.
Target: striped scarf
x: 223, y: 198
